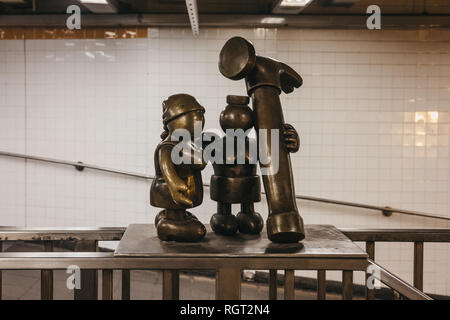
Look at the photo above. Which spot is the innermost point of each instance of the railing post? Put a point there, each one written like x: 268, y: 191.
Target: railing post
x: 418, y: 265
x: 89, y: 279
x: 289, y: 284
x: 397, y: 295
x: 321, y: 284
x: 47, y: 276
x: 107, y: 284
x: 228, y: 284
x: 1, y: 249
x: 370, y: 249
x: 126, y: 284
x: 273, y: 280
x: 347, y: 285
x: 171, y: 285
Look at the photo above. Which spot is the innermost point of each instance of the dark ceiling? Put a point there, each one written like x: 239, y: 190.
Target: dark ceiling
x: 325, y: 7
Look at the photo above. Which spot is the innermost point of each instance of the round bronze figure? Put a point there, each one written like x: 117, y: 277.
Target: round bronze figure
x: 177, y: 187
x: 265, y: 79
x: 233, y: 182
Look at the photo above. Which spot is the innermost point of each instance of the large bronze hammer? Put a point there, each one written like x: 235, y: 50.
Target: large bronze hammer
x: 265, y: 79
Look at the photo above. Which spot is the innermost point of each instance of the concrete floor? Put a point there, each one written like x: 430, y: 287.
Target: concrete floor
x: 24, y: 285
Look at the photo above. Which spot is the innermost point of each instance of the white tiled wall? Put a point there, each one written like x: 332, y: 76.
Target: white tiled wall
x: 373, y: 115
x: 12, y: 132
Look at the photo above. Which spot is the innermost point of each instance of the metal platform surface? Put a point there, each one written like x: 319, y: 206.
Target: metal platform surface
x: 324, y: 241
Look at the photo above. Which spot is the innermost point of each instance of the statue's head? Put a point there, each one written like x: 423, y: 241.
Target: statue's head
x: 182, y: 111
x: 237, y: 115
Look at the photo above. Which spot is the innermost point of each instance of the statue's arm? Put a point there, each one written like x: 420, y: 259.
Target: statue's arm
x: 177, y: 187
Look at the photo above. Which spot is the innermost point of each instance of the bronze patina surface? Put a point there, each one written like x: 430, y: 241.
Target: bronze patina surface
x: 266, y: 78
x: 235, y: 182
x: 178, y: 187
x: 322, y: 241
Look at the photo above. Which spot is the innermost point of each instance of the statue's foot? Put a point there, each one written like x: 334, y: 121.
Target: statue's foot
x: 286, y: 227
x: 186, y: 230
x: 162, y: 214
x: 250, y: 222
x: 225, y: 224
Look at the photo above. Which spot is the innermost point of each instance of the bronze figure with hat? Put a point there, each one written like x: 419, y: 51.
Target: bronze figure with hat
x: 177, y: 187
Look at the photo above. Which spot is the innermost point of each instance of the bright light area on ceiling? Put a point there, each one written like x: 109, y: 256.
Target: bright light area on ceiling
x: 273, y: 20
x: 294, y: 3
x: 94, y: 1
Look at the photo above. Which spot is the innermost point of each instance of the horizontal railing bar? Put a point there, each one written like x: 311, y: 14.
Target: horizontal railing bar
x: 115, y: 233
x: 398, y: 284
x: 398, y: 235
x: 80, y: 166
x: 55, y: 234
x: 172, y: 255
x: 372, y: 207
x: 107, y: 260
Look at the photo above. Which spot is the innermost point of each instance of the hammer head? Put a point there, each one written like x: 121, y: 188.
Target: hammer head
x: 289, y: 79
x: 238, y: 60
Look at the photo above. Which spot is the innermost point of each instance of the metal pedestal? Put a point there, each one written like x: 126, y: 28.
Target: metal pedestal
x: 324, y: 248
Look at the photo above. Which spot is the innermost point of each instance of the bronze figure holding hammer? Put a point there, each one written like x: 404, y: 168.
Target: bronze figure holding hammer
x: 266, y: 78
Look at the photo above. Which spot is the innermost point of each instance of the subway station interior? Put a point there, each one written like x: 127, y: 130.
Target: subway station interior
x: 224, y: 150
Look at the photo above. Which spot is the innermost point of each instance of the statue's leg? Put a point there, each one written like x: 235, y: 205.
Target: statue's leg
x: 249, y: 221
x: 223, y: 222
x: 180, y: 225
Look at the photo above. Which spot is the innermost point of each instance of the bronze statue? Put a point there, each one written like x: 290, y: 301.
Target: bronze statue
x: 265, y: 79
x: 233, y: 182
x: 177, y: 187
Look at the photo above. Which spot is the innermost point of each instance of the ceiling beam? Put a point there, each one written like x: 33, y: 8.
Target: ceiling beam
x: 259, y: 21
x: 192, y: 10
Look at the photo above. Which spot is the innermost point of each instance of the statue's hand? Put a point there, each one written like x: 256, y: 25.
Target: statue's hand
x: 290, y: 138
x: 179, y: 193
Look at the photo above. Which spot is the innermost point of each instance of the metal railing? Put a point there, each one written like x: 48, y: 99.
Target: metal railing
x: 90, y: 261
x: 416, y: 236
x: 399, y: 285
x: 85, y: 256
x: 80, y: 166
